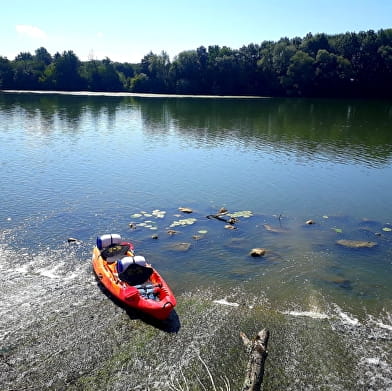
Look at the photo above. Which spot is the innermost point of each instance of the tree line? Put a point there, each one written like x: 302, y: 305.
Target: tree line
x: 349, y: 64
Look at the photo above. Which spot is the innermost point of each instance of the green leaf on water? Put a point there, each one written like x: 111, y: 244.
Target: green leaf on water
x: 202, y: 231
x: 338, y: 230
x: 387, y: 229
x: 183, y: 222
x: 242, y: 213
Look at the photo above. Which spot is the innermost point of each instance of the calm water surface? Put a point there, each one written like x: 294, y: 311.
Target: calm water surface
x: 79, y: 166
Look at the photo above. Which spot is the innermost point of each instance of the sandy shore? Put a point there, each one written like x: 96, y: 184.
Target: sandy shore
x: 132, y: 94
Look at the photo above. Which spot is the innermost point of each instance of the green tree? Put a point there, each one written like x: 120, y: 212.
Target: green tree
x: 270, y: 80
x: 332, y: 74
x: 311, y: 44
x: 64, y: 73
x: 140, y: 83
x: 157, y: 68
x: 6, y: 73
x: 300, y: 75
x: 26, y: 76
x: 42, y: 57
x: 185, y: 70
x: 126, y: 72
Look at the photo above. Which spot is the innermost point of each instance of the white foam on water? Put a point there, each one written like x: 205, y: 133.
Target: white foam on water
x: 345, y: 318
x: 309, y: 314
x: 71, y: 276
x: 22, y: 269
x: 384, y: 326
x: 225, y: 302
x: 373, y: 361
x: 50, y: 273
x: 383, y: 323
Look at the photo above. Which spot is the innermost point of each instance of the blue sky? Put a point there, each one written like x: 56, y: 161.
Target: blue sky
x: 126, y: 30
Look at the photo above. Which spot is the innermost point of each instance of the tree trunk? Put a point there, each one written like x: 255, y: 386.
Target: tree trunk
x: 257, y: 356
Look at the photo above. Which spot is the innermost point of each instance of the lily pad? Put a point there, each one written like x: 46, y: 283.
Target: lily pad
x: 159, y: 213
x: 243, y: 213
x: 183, y: 222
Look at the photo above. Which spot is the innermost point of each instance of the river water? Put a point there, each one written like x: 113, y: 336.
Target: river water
x: 83, y: 165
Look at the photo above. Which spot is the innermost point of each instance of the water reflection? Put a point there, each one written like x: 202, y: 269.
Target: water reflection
x: 336, y: 130
x: 316, y: 129
x: 47, y: 110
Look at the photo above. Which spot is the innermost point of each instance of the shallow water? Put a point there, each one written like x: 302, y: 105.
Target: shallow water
x: 79, y: 166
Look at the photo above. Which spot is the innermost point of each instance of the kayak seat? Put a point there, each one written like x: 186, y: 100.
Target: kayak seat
x: 134, y: 274
x: 114, y: 252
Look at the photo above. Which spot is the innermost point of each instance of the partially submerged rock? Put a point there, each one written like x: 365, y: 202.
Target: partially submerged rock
x: 237, y: 243
x: 171, y: 232
x: 270, y: 228
x: 356, y: 243
x: 185, y: 210
x: 310, y: 222
x: 257, y: 252
x: 181, y: 246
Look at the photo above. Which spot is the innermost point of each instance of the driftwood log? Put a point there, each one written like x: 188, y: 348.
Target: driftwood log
x: 223, y: 217
x: 257, y: 355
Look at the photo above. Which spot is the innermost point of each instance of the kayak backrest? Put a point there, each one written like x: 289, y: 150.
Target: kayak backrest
x: 106, y: 240
x: 125, y: 262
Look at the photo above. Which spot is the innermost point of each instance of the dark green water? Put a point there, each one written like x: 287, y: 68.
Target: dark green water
x: 82, y: 165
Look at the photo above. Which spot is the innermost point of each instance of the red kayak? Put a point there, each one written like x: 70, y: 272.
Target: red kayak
x: 130, y: 279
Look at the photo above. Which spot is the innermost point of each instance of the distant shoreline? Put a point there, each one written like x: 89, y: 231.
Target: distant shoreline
x: 132, y: 94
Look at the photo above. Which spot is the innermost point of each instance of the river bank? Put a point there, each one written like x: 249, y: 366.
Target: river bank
x: 76, y: 338
x: 132, y: 94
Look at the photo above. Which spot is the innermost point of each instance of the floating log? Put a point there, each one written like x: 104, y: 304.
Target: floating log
x: 257, y: 356
x: 223, y: 217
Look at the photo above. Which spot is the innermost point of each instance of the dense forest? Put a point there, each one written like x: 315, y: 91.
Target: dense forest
x: 350, y: 64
